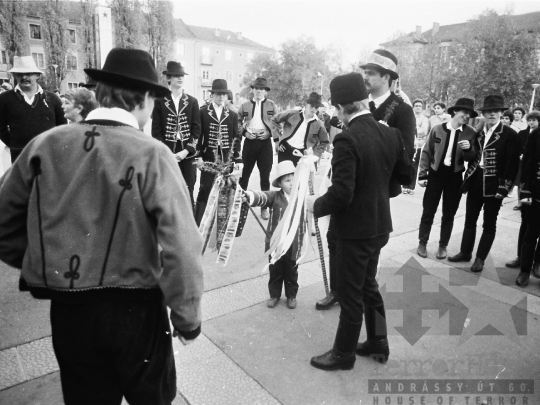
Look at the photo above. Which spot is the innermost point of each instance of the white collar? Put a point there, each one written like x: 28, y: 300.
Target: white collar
x: 449, y: 126
x: 312, y: 118
x: 379, y: 100
x: 39, y: 91
x: 113, y: 114
x: 363, y: 112
x: 490, y: 131
x: 259, y: 101
x: 217, y: 107
x: 179, y: 96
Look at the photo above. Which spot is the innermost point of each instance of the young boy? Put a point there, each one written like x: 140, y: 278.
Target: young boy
x: 285, y: 270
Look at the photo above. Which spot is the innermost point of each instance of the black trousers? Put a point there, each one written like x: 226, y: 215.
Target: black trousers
x: 107, y: 350
x: 261, y: 153
x: 332, y: 259
x: 189, y: 171
x: 357, y: 261
x: 446, y: 183
x: 205, y: 186
x: 527, y: 214
x: 291, y: 153
x: 529, y: 251
x: 283, y: 273
x: 475, y: 202
x: 415, y: 163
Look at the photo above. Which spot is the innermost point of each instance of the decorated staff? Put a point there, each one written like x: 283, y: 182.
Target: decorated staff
x: 359, y: 202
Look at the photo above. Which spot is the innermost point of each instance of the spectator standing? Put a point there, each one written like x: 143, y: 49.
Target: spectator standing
x: 440, y: 116
x: 422, y: 129
x: 519, y: 119
x: 78, y: 103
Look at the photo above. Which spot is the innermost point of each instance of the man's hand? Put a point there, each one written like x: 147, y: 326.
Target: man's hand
x: 465, y: 145
x: 499, y: 196
x: 238, y: 166
x: 281, y: 148
x: 422, y: 183
x: 276, y: 146
x: 249, y: 135
x: 526, y: 201
x: 181, y: 155
x: 310, y: 202
x: 184, y: 341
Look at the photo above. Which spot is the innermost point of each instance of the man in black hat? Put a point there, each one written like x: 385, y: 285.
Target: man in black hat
x: 301, y: 130
x: 255, y: 120
x: 219, y: 140
x: 176, y: 122
x: 442, y: 164
x: 487, y: 180
x: 102, y: 197
x: 367, y: 155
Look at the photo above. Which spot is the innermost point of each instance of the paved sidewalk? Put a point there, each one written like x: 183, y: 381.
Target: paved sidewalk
x: 480, y: 331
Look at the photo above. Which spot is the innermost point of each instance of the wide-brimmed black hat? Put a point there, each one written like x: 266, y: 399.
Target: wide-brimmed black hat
x: 464, y: 104
x: 129, y: 69
x: 219, y: 86
x: 260, y: 82
x: 346, y: 89
x: 385, y: 60
x: 174, y: 68
x: 314, y: 100
x: 493, y: 102
x: 90, y: 85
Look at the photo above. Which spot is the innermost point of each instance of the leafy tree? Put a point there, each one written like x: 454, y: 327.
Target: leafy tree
x: 13, y: 28
x: 129, y: 23
x: 161, y: 32
x: 86, y: 34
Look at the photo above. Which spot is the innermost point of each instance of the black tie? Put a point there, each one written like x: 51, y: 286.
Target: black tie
x: 372, y: 106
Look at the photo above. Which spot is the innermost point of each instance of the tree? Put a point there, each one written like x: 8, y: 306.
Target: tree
x: 129, y: 23
x: 161, y: 32
x: 86, y: 34
x: 13, y: 28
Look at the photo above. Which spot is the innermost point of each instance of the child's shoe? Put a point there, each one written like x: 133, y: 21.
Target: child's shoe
x: 291, y: 303
x: 272, y: 302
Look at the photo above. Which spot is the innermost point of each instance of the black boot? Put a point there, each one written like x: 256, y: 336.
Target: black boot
x: 376, y: 345
x: 327, y: 302
x: 200, y: 207
x: 342, y: 356
x: 522, y: 279
x: 536, y: 270
x: 467, y: 245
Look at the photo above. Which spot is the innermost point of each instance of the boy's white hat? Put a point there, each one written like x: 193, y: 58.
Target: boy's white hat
x: 283, y: 168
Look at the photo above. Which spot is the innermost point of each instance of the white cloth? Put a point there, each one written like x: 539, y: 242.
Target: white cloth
x: 218, y: 109
x: 29, y: 100
x: 379, y: 100
x: 176, y: 100
x: 113, y: 114
x: 256, y: 124
x: 486, y: 140
x: 448, y: 156
x: 297, y: 140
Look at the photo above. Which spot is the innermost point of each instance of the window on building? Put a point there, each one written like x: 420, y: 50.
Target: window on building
x: 35, y: 31
x: 217, y: 51
x: 181, y: 49
x: 71, y: 62
x: 241, y: 55
x: 228, y: 54
x: 206, y: 74
x: 206, y: 94
x: 71, y: 86
x: 206, y: 51
x: 39, y: 59
x: 229, y: 75
x: 3, y: 57
x: 249, y: 56
x: 72, y: 35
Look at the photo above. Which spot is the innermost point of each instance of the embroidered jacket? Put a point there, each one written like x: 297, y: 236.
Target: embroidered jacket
x: 501, y: 161
x: 434, y: 150
x: 180, y: 129
x: 268, y: 110
x: 219, y: 136
x: 276, y: 201
x: 82, y: 212
x: 315, y: 137
x: 530, y: 167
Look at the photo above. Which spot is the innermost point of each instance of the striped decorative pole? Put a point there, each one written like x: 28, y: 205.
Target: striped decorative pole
x: 319, y: 240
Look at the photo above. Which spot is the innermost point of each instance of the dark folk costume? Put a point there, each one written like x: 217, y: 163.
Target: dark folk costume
x: 179, y: 130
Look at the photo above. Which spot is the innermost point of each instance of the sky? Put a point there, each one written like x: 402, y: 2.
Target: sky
x: 354, y: 26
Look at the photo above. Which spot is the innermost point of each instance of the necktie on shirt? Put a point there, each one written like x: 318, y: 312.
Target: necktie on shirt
x: 372, y: 106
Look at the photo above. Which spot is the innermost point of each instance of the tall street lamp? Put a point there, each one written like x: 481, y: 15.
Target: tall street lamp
x: 319, y: 74
x: 55, y: 79
x: 532, y: 100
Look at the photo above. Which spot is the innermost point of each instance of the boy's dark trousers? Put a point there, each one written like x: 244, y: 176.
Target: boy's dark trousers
x: 107, y: 350
x: 284, y: 272
x: 260, y: 152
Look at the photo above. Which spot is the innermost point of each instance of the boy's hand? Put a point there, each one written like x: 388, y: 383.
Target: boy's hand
x: 184, y: 341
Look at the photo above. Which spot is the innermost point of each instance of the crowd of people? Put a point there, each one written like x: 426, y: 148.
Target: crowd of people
x: 103, y: 219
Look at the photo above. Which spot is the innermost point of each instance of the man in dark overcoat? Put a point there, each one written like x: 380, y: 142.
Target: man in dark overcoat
x: 488, y: 180
x: 176, y: 122
x: 366, y: 156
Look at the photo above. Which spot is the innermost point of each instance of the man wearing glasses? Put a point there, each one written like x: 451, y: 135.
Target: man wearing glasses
x: 176, y: 122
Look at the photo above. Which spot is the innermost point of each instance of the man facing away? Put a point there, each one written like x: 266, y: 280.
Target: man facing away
x: 82, y: 212
x: 27, y: 110
x: 176, y: 122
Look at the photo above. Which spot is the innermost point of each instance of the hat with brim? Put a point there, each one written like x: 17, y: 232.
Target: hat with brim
x: 493, y: 102
x: 90, y: 85
x: 382, y: 59
x: 260, y: 82
x: 314, y: 100
x: 174, y: 68
x: 283, y: 168
x: 464, y: 104
x: 131, y: 69
x: 24, y: 64
x: 219, y: 86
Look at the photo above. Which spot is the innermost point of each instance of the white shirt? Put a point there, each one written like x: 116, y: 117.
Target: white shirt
x: 448, y: 157
x: 256, y: 123
x: 379, y: 100
x: 218, y: 109
x: 176, y: 101
x: 113, y: 114
x: 29, y: 100
x: 297, y: 140
x: 486, y: 140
